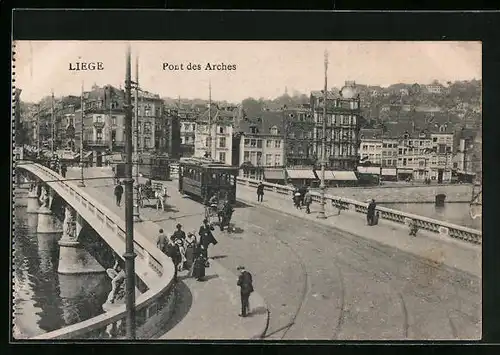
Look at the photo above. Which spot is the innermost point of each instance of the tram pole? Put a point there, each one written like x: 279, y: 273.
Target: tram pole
x: 137, y: 216
x: 129, y: 205
x: 321, y: 214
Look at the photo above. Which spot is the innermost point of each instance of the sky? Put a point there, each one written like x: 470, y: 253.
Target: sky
x: 263, y: 68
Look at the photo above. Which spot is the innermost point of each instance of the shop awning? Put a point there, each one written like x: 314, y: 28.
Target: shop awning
x: 374, y: 170
x: 300, y: 174
x: 344, y: 176
x: 466, y: 172
x: 405, y: 171
x: 389, y: 172
x: 274, y: 174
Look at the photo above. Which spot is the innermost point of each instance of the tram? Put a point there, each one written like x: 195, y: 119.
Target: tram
x: 155, y: 166
x: 201, y: 178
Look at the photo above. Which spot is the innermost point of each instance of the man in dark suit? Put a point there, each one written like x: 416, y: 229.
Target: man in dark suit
x: 260, y: 192
x: 206, y: 236
x: 246, y: 288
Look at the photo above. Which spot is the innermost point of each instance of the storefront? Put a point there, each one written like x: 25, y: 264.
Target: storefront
x: 341, y: 178
x: 274, y: 176
x: 389, y: 174
x: 405, y: 174
x: 301, y: 177
x: 369, y: 175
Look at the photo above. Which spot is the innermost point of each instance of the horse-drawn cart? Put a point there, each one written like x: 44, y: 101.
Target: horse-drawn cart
x: 152, y: 195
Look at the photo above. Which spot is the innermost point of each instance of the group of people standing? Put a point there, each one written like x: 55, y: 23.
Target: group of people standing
x: 187, y: 251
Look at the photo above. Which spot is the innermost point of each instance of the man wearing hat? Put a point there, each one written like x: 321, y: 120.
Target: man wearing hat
x: 246, y: 288
x: 178, y: 234
x: 206, y: 236
x: 178, y: 239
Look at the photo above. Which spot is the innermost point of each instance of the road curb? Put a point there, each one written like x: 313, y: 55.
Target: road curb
x: 428, y: 259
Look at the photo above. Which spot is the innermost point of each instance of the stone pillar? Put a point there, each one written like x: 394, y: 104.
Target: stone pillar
x: 47, y: 222
x: 32, y: 200
x: 73, y: 258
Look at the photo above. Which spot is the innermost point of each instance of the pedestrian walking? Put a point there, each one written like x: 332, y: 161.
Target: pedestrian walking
x: 118, y: 193
x: 190, y: 249
x: 370, y: 215
x: 260, y: 192
x: 172, y: 251
x: 246, y: 288
x: 64, y: 169
x: 178, y: 234
x: 296, y: 198
x: 200, y: 263
x: 161, y: 241
x: 308, y: 201
x: 206, y: 236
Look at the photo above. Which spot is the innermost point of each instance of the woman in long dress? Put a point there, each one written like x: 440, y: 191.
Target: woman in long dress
x: 199, y: 264
x: 190, y: 244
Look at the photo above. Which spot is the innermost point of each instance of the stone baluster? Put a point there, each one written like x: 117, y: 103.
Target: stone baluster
x: 73, y: 257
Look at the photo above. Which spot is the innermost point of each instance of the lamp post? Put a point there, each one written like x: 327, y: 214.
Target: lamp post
x: 38, y: 132
x: 136, y: 214
x: 129, y: 202
x: 81, y: 183
x: 53, y: 121
x: 321, y: 213
x: 285, y: 134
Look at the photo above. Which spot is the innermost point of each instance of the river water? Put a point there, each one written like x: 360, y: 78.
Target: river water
x: 43, y: 299
x: 456, y: 213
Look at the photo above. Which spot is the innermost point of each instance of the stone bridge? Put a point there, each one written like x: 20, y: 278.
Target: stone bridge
x: 155, y: 293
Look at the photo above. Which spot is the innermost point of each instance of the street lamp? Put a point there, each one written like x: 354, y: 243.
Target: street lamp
x: 285, y: 133
x: 136, y: 213
x: 81, y: 183
x: 321, y: 213
x: 129, y: 202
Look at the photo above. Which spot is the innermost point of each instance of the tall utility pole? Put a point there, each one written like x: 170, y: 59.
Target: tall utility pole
x: 129, y: 204
x: 38, y: 132
x: 285, y: 134
x: 321, y: 213
x: 53, y: 120
x: 137, y: 217
x: 82, y: 109
x: 210, y: 119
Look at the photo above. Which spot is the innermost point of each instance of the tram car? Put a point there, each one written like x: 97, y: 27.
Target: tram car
x: 155, y: 166
x: 201, y: 178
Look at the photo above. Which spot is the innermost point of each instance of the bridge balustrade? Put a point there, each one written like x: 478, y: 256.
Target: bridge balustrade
x: 429, y: 224
x: 155, y: 304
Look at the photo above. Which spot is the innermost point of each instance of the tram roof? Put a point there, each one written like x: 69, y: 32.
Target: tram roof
x: 206, y: 163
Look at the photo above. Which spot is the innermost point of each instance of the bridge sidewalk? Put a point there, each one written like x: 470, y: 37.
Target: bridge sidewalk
x: 204, y: 310
x: 450, y: 252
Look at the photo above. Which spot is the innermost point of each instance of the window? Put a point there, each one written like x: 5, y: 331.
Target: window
x: 269, y: 143
x: 222, y: 157
x: 259, y: 143
x: 410, y: 142
x: 193, y: 127
x: 269, y: 159
x: 404, y: 161
x: 277, y: 144
x: 147, y: 127
x: 222, y: 142
x: 274, y: 130
x: 98, y: 133
x: 182, y: 140
x: 455, y: 165
x: 147, y: 142
x: 259, y: 158
x: 384, y: 145
x: 254, y: 130
x: 365, y: 148
x: 246, y: 142
x: 207, y: 142
x: 277, y: 160
x: 221, y: 130
x: 253, y: 143
x: 434, y: 139
x: 246, y: 155
x: 99, y: 119
x: 400, y: 150
x: 113, y: 120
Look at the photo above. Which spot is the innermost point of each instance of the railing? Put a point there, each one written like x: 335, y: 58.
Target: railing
x: 155, y: 304
x: 429, y: 224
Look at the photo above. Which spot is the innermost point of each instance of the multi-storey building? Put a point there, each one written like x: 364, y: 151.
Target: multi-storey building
x: 389, y: 152
x: 370, y: 147
x: 171, y: 124
x: 299, y: 126
x: 151, y: 122
x: 187, y: 122
x: 342, y: 127
x: 414, y: 156
x: 214, y: 133
x: 442, y: 155
x: 259, y: 146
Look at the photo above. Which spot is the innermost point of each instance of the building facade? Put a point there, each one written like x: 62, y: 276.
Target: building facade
x: 342, y: 127
x: 214, y: 133
x: 187, y: 123
x: 299, y: 127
